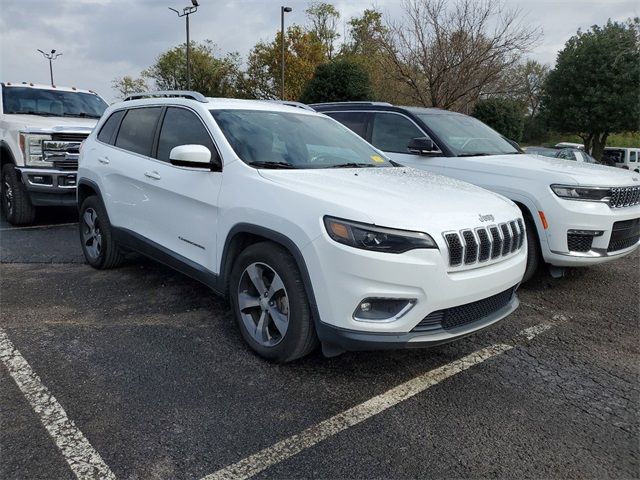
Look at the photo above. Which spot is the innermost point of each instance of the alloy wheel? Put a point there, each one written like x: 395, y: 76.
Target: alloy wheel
x: 264, y: 304
x: 7, y: 196
x: 91, y: 233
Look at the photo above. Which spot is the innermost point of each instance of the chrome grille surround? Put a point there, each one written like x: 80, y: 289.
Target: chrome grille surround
x: 483, y: 244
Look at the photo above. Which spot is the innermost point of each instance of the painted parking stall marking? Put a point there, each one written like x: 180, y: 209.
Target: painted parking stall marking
x: 295, y: 444
x: 82, y: 458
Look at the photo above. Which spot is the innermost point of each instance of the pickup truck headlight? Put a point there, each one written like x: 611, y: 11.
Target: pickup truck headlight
x: 588, y: 194
x: 31, y: 145
x: 379, y: 239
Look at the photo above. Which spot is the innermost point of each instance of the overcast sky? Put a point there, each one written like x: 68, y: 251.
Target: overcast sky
x: 104, y: 39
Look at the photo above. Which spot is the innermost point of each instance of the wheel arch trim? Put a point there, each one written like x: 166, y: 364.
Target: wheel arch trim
x: 228, y: 256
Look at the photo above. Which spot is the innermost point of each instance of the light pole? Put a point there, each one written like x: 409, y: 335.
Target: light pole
x: 51, y: 57
x: 186, y: 11
x: 283, y: 10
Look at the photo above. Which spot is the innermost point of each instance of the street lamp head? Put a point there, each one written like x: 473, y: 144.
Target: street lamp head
x: 53, y: 51
x: 287, y: 9
x: 195, y: 3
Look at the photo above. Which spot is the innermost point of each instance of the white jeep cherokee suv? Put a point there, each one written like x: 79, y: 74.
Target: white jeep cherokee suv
x: 305, y: 227
x: 577, y: 214
x: 41, y: 128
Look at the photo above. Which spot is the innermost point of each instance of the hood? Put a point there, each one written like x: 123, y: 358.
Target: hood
x: 52, y: 124
x: 403, y: 198
x: 556, y: 169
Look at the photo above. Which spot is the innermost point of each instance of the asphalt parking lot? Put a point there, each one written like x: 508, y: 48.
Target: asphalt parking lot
x: 139, y: 373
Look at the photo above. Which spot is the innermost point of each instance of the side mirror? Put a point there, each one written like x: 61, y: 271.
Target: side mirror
x: 194, y: 156
x: 421, y: 145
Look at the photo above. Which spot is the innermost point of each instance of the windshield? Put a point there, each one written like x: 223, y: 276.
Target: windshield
x: 52, y: 103
x: 267, y: 139
x: 466, y: 136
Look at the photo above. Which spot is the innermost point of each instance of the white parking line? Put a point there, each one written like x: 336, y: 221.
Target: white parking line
x: 295, y: 444
x: 37, y: 227
x: 84, y: 461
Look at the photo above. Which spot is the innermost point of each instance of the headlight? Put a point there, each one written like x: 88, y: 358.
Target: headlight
x: 31, y: 145
x: 589, y: 194
x: 379, y: 239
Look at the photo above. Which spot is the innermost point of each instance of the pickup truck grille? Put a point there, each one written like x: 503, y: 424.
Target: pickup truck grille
x: 479, y: 245
x: 63, y: 150
x: 454, y: 317
x: 624, y: 197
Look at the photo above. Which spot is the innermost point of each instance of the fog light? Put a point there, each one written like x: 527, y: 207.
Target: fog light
x: 40, y: 179
x: 383, y: 309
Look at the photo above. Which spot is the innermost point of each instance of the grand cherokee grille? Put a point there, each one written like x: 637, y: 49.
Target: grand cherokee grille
x: 479, y: 245
x: 624, y: 235
x: 624, y: 197
x: 454, y: 317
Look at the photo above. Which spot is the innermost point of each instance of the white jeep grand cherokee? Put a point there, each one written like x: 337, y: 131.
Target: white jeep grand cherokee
x: 303, y: 225
x: 577, y: 214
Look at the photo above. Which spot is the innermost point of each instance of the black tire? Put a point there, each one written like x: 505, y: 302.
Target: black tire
x: 16, y: 205
x: 533, y: 250
x: 300, y: 337
x: 109, y: 254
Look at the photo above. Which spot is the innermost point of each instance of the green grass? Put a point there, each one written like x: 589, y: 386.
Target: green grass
x: 627, y: 139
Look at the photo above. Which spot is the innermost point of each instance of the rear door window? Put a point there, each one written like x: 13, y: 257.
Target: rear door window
x: 138, y: 129
x: 633, y: 156
x: 355, y: 121
x: 183, y: 127
x: 108, y: 130
x: 392, y: 132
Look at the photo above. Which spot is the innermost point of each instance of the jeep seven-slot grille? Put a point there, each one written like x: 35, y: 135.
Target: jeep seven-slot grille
x: 476, y: 246
x: 624, y: 197
x: 455, y: 317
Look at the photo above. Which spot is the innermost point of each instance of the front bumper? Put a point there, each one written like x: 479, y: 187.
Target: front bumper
x: 565, y: 215
x: 50, y: 187
x: 342, y: 277
x: 340, y: 339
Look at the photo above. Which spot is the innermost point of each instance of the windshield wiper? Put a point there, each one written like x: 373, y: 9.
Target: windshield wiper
x: 81, y: 115
x: 274, y: 165
x: 32, y: 112
x: 476, y: 154
x: 351, y: 165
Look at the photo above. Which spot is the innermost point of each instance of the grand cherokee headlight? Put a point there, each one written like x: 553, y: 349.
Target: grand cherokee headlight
x: 589, y: 194
x: 379, y: 239
x: 31, y: 145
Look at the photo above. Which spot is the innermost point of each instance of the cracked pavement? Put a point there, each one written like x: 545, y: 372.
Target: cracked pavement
x: 149, y: 366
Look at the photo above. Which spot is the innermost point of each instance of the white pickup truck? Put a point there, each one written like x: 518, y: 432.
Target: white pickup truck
x: 577, y: 214
x: 41, y: 128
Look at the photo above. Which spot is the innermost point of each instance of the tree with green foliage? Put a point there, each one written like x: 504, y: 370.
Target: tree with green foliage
x: 324, y: 25
x: 303, y: 53
x: 502, y: 114
x: 211, y: 75
x: 594, y: 89
x: 127, y: 85
x: 338, y: 81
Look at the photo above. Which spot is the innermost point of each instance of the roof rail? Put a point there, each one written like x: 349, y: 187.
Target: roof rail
x: 169, y: 94
x: 291, y: 103
x: 327, y: 104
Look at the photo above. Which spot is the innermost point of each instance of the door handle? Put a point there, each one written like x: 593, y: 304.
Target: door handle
x: 104, y: 160
x: 154, y: 175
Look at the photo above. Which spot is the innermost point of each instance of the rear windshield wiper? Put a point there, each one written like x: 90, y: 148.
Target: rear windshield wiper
x: 351, y: 165
x: 258, y: 164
